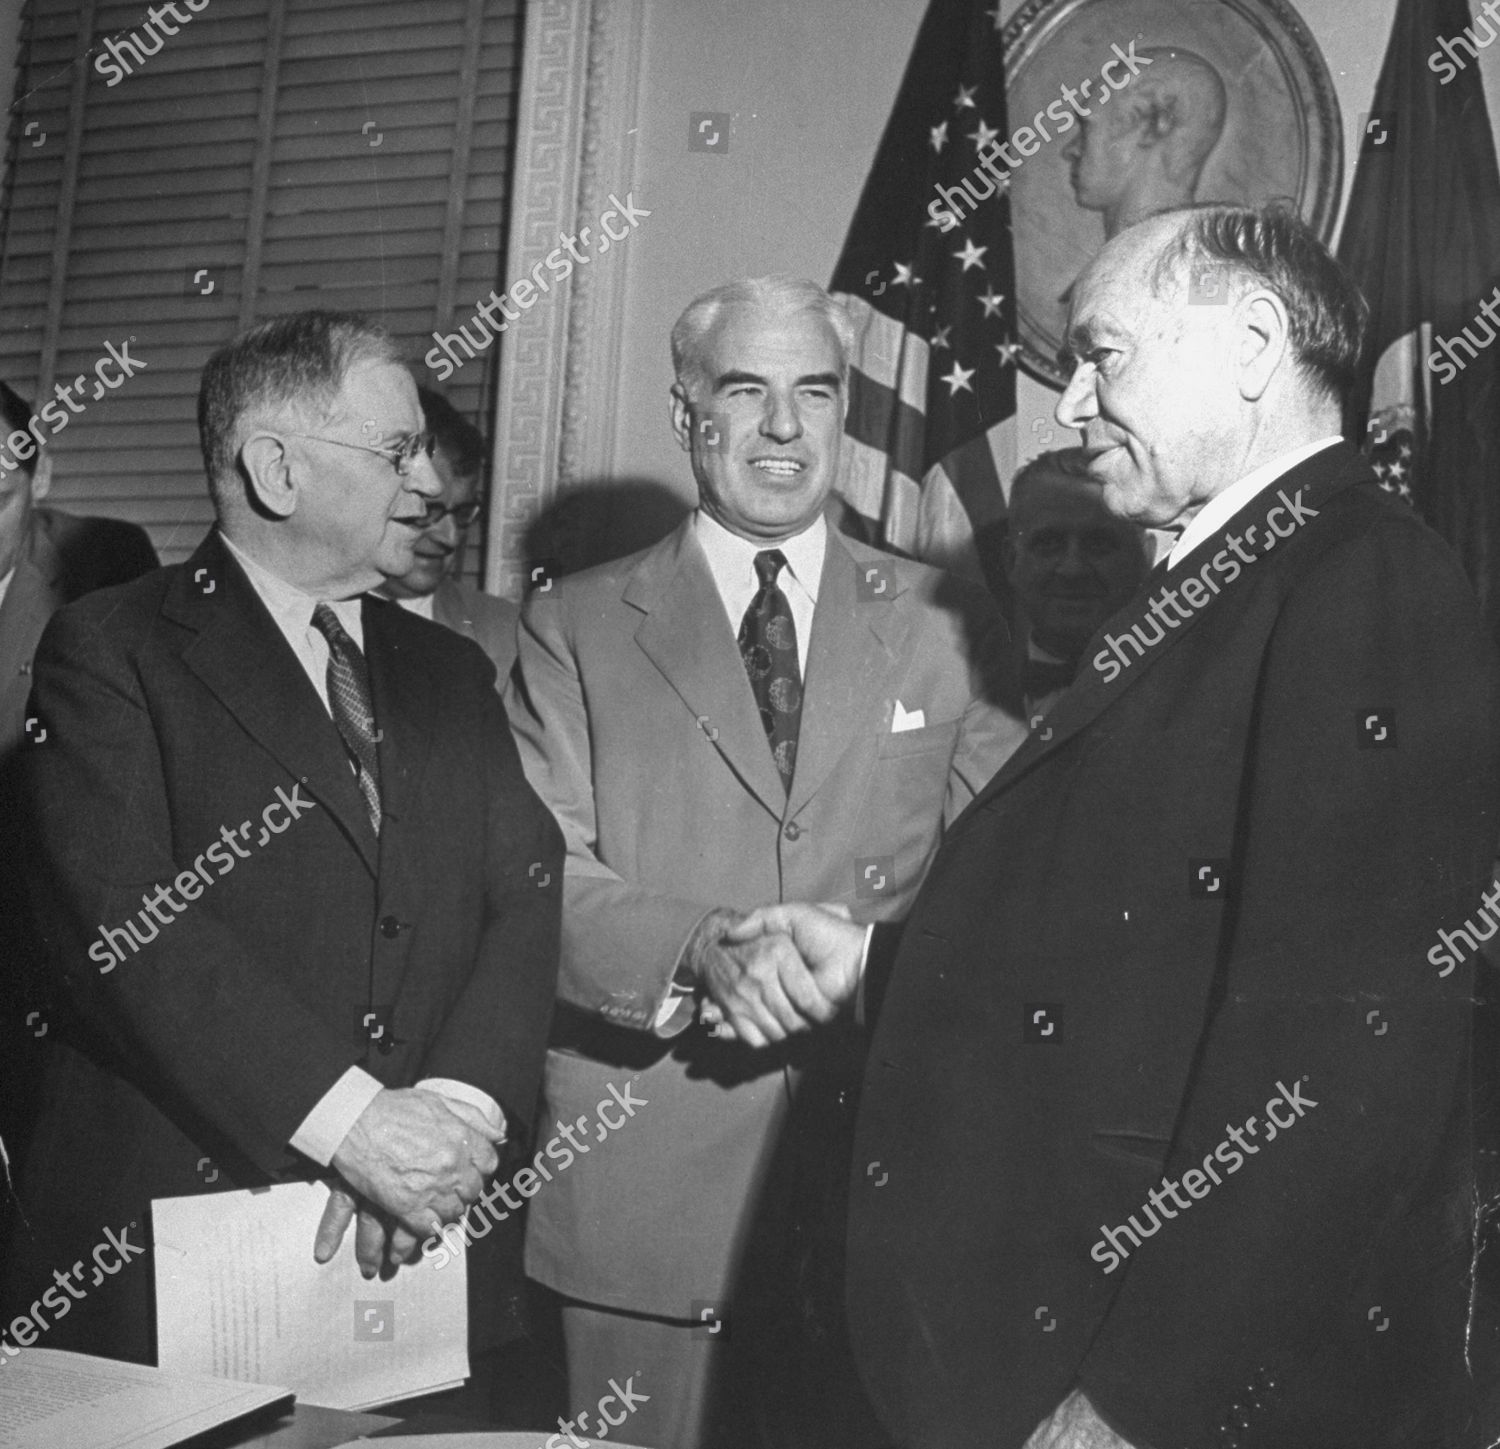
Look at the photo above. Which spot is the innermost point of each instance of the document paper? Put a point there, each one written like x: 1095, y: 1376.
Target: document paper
x: 50, y: 1398
x: 239, y: 1296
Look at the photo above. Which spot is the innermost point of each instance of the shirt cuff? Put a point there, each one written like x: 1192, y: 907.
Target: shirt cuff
x: 324, y: 1128
x: 859, y: 991
x: 481, y: 1101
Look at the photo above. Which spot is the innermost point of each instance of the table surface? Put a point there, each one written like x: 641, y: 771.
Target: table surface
x: 308, y: 1427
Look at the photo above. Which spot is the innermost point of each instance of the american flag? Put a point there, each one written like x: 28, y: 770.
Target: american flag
x: 928, y: 276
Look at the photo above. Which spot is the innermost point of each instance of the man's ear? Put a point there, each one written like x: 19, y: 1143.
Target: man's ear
x: 1261, y: 341
x: 268, y: 474
x: 41, y: 479
x: 682, y: 417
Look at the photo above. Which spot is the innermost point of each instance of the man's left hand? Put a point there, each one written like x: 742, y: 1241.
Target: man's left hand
x: 1075, y: 1425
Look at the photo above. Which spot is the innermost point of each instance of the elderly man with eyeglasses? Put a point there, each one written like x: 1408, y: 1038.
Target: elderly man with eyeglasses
x: 431, y: 587
x: 300, y: 905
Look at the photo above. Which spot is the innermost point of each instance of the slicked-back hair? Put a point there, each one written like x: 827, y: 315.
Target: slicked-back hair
x: 456, y: 437
x: 1272, y: 246
x: 774, y: 293
x: 296, y: 361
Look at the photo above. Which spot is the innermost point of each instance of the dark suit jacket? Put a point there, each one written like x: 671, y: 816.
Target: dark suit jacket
x: 1206, y: 876
x: 175, y: 712
x: 66, y: 557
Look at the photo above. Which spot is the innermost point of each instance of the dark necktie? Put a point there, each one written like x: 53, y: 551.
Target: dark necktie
x: 353, y: 713
x: 1042, y: 677
x: 768, y: 645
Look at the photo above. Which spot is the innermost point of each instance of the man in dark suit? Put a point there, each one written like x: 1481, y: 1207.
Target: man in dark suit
x: 1167, y: 1115
x: 293, y: 886
x: 753, y: 709
x: 48, y: 558
x: 431, y: 587
x: 1070, y: 565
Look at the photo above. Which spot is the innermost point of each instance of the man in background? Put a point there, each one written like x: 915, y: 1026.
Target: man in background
x: 754, y: 709
x: 1070, y: 564
x: 295, y: 893
x: 432, y: 587
x: 48, y: 558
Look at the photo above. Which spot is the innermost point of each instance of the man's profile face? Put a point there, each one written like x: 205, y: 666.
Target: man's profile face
x: 1103, y: 158
x: 354, y: 512
x: 1153, y: 389
x: 763, y: 420
x: 1070, y: 563
x: 438, y: 550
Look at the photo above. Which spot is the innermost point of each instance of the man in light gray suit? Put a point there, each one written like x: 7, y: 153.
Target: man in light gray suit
x: 755, y: 709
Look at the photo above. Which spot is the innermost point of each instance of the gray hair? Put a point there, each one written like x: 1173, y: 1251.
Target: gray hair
x: 296, y: 361
x: 774, y: 293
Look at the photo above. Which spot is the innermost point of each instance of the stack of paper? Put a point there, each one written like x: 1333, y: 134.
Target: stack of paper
x: 50, y: 1399
x: 238, y: 1295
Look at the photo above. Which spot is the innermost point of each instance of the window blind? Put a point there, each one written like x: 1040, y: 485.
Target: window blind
x: 165, y: 190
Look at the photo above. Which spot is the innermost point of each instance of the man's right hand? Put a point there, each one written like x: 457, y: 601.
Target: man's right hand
x: 824, y: 937
x: 413, y: 1155
x: 760, y: 984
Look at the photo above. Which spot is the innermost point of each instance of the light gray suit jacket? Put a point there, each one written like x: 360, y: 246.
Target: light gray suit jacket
x: 637, y: 727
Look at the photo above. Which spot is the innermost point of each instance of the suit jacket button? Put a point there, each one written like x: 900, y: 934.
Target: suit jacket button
x: 792, y: 830
x: 390, y: 927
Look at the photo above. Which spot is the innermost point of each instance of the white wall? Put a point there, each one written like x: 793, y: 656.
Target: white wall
x: 810, y: 85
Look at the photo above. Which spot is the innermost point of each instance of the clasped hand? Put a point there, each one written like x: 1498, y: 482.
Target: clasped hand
x: 779, y: 970
x: 412, y: 1162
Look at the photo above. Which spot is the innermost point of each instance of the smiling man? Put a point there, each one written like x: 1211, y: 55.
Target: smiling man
x: 1196, y: 908
x: 754, y: 710
x: 367, y: 995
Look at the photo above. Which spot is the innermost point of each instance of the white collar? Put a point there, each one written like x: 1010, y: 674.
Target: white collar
x: 728, y: 554
x: 1223, y: 506
x: 288, y: 602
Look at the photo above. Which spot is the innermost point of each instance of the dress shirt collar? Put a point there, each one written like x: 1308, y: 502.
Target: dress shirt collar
x: 731, y: 558
x: 421, y: 605
x: 1223, y: 506
x: 5, y: 584
x: 288, y: 605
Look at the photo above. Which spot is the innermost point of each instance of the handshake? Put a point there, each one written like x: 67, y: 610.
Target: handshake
x: 779, y: 970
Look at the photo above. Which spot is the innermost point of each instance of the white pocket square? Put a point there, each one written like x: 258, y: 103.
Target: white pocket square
x: 903, y: 720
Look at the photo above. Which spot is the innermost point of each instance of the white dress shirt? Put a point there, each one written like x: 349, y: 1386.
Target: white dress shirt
x: 5, y: 584
x: 731, y: 561
x: 1223, y: 506
x: 325, y: 1127
x: 421, y: 606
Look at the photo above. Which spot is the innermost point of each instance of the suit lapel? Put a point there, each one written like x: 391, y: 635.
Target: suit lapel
x: 854, y: 643
x: 687, y: 636
x: 403, y: 692
x: 244, y: 659
x: 1094, y: 691
x: 32, y: 598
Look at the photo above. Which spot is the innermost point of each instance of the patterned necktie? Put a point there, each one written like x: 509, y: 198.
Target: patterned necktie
x: 353, y: 713
x: 768, y: 645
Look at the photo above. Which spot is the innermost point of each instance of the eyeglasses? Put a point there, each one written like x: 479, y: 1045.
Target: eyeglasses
x: 463, y: 514
x: 402, y: 457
